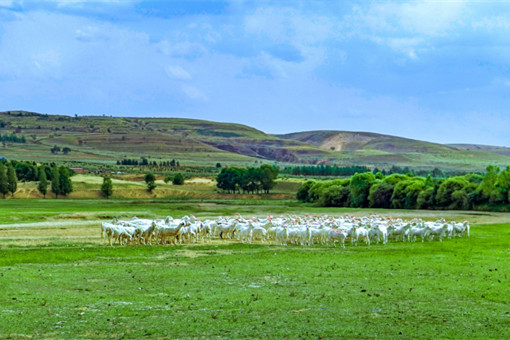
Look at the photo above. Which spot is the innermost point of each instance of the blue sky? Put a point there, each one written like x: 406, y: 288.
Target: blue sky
x: 431, y: 70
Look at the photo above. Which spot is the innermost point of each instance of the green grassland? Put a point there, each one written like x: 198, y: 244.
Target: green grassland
x: 59, y: 279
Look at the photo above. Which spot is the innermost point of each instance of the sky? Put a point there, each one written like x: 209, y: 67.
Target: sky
x: 437, y: 71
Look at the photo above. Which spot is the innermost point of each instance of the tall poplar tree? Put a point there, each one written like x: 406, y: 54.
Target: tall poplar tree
x: 42, y: 186
x: 107, y: 187
x: 12, y: 180
x: 4, y: 186
x: 55, y: 181
x: 66, y: 185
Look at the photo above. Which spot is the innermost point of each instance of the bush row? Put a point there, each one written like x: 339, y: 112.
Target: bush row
x: 397, y: 191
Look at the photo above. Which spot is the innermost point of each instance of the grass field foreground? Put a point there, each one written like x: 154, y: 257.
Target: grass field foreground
x: 71, y: 287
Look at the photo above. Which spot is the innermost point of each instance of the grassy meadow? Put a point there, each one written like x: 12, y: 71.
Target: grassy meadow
x: 59, y: 279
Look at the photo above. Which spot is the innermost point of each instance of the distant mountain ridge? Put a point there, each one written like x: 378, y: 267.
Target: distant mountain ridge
x: 100, y: 139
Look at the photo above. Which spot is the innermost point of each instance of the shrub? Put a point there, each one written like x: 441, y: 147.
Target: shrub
x: 150, y: 180
x: 178, y: 179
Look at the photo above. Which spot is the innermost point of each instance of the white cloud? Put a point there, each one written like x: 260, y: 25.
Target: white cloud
x: 181, y: 48
x: 193, y: 93
x: 406, y: 27
x: 431, y: 18
x: 492, y: 23
x: 177, y: 73
x: 257, y: 63
x: 6, y: 3
x: 407, y: 46
x: 90, y: 33
x: 63, y: 3
x: 48, y: 59
x: 284, y: 24
x: 424, y: 17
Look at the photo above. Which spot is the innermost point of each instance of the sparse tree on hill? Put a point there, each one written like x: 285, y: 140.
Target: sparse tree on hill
x: 12, y: 180
x: 4, y: 186
x: 55, y: 149
x: 43, y: 182
x: 107, y: 187
x: 150, y: 179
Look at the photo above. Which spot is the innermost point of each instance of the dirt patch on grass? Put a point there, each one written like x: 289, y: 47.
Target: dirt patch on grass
x: 189, y: 253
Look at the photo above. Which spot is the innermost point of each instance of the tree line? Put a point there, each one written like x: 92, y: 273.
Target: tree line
x: 58, y: 178
x: 248, y: 180
x: 145, y: 162
x: 12, y: 138
x: 407, y: 191
x: 343, y: 171
x: 324, y: 170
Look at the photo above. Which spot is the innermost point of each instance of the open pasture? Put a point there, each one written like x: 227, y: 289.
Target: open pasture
x: 60, y: 280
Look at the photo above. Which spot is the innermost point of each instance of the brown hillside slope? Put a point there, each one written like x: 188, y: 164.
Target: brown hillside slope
x: 104, y: 140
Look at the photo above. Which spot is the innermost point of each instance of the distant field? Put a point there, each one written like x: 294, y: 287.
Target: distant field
x: 59, y: 279
x: 133, y: 186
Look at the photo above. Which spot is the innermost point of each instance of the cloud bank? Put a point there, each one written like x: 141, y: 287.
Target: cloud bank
x: 436, y: 71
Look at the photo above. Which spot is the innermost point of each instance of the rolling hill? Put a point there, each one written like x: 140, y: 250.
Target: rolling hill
x: 104, y: 140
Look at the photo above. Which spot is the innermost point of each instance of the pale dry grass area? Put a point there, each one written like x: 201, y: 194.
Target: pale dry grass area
x: 130, y: 187
x: 76, y: 228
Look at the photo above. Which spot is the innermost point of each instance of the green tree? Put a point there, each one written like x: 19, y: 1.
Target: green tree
x: 360, y: 189
x: 26, y: 171
x: 489, y: 182
x: 426, y: 198
x: 380, y: 195
x: 55, y: 181
x: 501, y: 190
x: 253, y: 179
x: 437, y: 173
x: 4, y: 185
x: 335, y: 196
x: 226, y: 180
x: 429, y: 182
x: 107, y: 187
x: 178, y: 179
x: 453, y: 193
x: 12, y: 180
x: 65, y: 183
x: 269, y: 174
x: 42, y: 186
x: 303, y: 191
x: 150, y: 180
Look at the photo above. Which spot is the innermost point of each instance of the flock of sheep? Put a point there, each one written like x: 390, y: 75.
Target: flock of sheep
x: 283, y: 230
